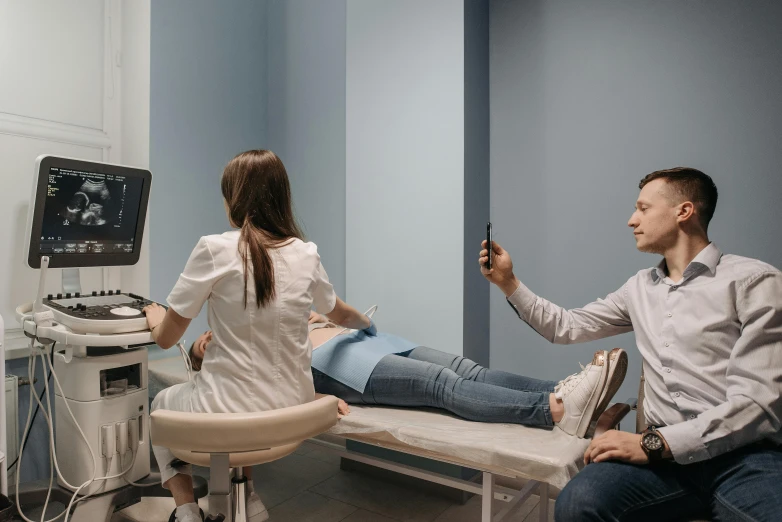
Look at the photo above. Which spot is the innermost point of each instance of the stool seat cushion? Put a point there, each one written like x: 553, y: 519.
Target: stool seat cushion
x: 247, y: 458
x: 242, y: 432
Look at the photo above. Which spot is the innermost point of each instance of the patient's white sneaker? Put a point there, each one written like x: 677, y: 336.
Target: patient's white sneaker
x: 580, y: 394
x: 256, y: 511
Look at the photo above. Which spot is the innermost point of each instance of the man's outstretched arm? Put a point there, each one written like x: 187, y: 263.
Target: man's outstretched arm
x: 597, y: 320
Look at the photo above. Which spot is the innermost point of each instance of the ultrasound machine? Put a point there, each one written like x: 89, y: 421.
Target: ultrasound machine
x: 90, y: 214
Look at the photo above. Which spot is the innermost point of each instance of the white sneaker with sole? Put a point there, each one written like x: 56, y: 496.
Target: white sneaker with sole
x: 617, y: 369
x: 580, y: 394
x: 256, y: 511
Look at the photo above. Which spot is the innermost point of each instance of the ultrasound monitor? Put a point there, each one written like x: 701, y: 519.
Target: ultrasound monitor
x: 85, y: 213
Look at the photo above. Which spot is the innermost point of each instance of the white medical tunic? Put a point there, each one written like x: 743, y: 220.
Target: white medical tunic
x: 259, y: 358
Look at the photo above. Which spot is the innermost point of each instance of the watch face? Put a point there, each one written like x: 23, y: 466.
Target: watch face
x: 652, y: 441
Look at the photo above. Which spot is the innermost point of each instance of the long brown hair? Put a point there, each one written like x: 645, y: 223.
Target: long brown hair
x: 258, y: 194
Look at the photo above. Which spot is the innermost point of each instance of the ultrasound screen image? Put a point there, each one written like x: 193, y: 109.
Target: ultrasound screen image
x: 91, y: 205
x: 88, y: 212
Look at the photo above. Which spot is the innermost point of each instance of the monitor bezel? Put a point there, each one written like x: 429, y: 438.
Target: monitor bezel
x: 34, y: 227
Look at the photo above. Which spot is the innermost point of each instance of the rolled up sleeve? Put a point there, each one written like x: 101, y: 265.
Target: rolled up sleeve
x: 324, y: 299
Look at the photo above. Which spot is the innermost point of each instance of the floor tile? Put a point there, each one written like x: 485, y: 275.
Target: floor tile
x: 391, y: 500
x: 283, y: 479
x: 151, y: 509
x: 363, y: 515
x: 324, y: 455
x: 310, y: 507
x: 471, y: 511
x: 535, y: 513
x: 305, y: 448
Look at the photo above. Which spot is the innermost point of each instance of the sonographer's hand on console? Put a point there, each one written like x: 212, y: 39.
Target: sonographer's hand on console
x: 155, y: 314
x: 501, y: 273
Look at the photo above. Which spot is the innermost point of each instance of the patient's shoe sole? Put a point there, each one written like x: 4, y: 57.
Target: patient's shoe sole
x: 617, y: 369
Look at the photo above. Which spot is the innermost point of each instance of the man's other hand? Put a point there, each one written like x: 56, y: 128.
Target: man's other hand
x: 616, y: 445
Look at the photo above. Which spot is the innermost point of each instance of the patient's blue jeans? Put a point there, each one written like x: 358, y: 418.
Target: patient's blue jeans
x: 743, y: 484
x: 427, y: 377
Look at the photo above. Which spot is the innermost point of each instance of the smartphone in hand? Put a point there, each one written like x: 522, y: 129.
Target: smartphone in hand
x: 488, y: 245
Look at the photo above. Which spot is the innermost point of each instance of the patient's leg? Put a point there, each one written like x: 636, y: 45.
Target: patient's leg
x: 473, y: 371
x: 328, y: 386
x: 402, y: 381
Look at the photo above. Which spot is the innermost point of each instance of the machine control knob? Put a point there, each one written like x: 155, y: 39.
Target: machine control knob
x: 117, y: 291
x: 111, y: 292
x: 50, y: 297
x: 77, y: 294
x: 59, y: 296
x: 125, y: 311
x: 102, y: 292
x: 94, y: 292
x: 68, y: 295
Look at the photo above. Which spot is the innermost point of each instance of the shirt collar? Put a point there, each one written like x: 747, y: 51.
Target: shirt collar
x: 707, y: 259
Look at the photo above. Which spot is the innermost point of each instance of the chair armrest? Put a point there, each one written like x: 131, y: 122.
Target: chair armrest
x: 611, y: 417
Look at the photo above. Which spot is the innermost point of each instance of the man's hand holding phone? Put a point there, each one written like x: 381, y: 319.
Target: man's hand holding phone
x: 501, y: 272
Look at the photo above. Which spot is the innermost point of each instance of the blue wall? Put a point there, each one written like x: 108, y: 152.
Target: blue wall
x: 587, y: 98
x: 405, y: 166
x: 208, y: 99
x: 306, y: 118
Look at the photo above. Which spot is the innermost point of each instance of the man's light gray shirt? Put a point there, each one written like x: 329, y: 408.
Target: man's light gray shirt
x: 711, y: 347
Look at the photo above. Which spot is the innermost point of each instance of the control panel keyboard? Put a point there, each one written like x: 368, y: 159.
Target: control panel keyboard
x: 99, y: 311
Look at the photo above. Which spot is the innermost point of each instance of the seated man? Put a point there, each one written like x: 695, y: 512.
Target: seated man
x: 709, y: 328
x: 413, y: 376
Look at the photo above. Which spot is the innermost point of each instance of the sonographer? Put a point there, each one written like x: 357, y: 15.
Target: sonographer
x: 261, y: 281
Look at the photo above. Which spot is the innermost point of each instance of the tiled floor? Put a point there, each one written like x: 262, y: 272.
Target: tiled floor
x: 309, y: 486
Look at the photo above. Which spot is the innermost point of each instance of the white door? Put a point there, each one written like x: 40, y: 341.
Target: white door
x: 59, y: 94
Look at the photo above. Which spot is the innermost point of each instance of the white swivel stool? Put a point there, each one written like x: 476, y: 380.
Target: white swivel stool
x: 231, y: 440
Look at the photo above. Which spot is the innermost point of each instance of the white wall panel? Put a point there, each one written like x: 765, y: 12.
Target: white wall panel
x: 52, y: 60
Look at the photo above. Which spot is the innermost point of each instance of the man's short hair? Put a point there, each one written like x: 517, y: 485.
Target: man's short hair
x: 690, y: 185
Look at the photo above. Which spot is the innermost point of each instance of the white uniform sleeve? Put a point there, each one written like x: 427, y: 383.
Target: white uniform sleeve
x: 323, y: 297
x: 195, y: 283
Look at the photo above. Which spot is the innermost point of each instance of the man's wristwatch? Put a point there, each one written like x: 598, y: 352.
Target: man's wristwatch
x: 653, y: 444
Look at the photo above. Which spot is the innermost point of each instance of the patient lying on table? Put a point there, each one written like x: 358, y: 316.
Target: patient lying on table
x: 391, y: 371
